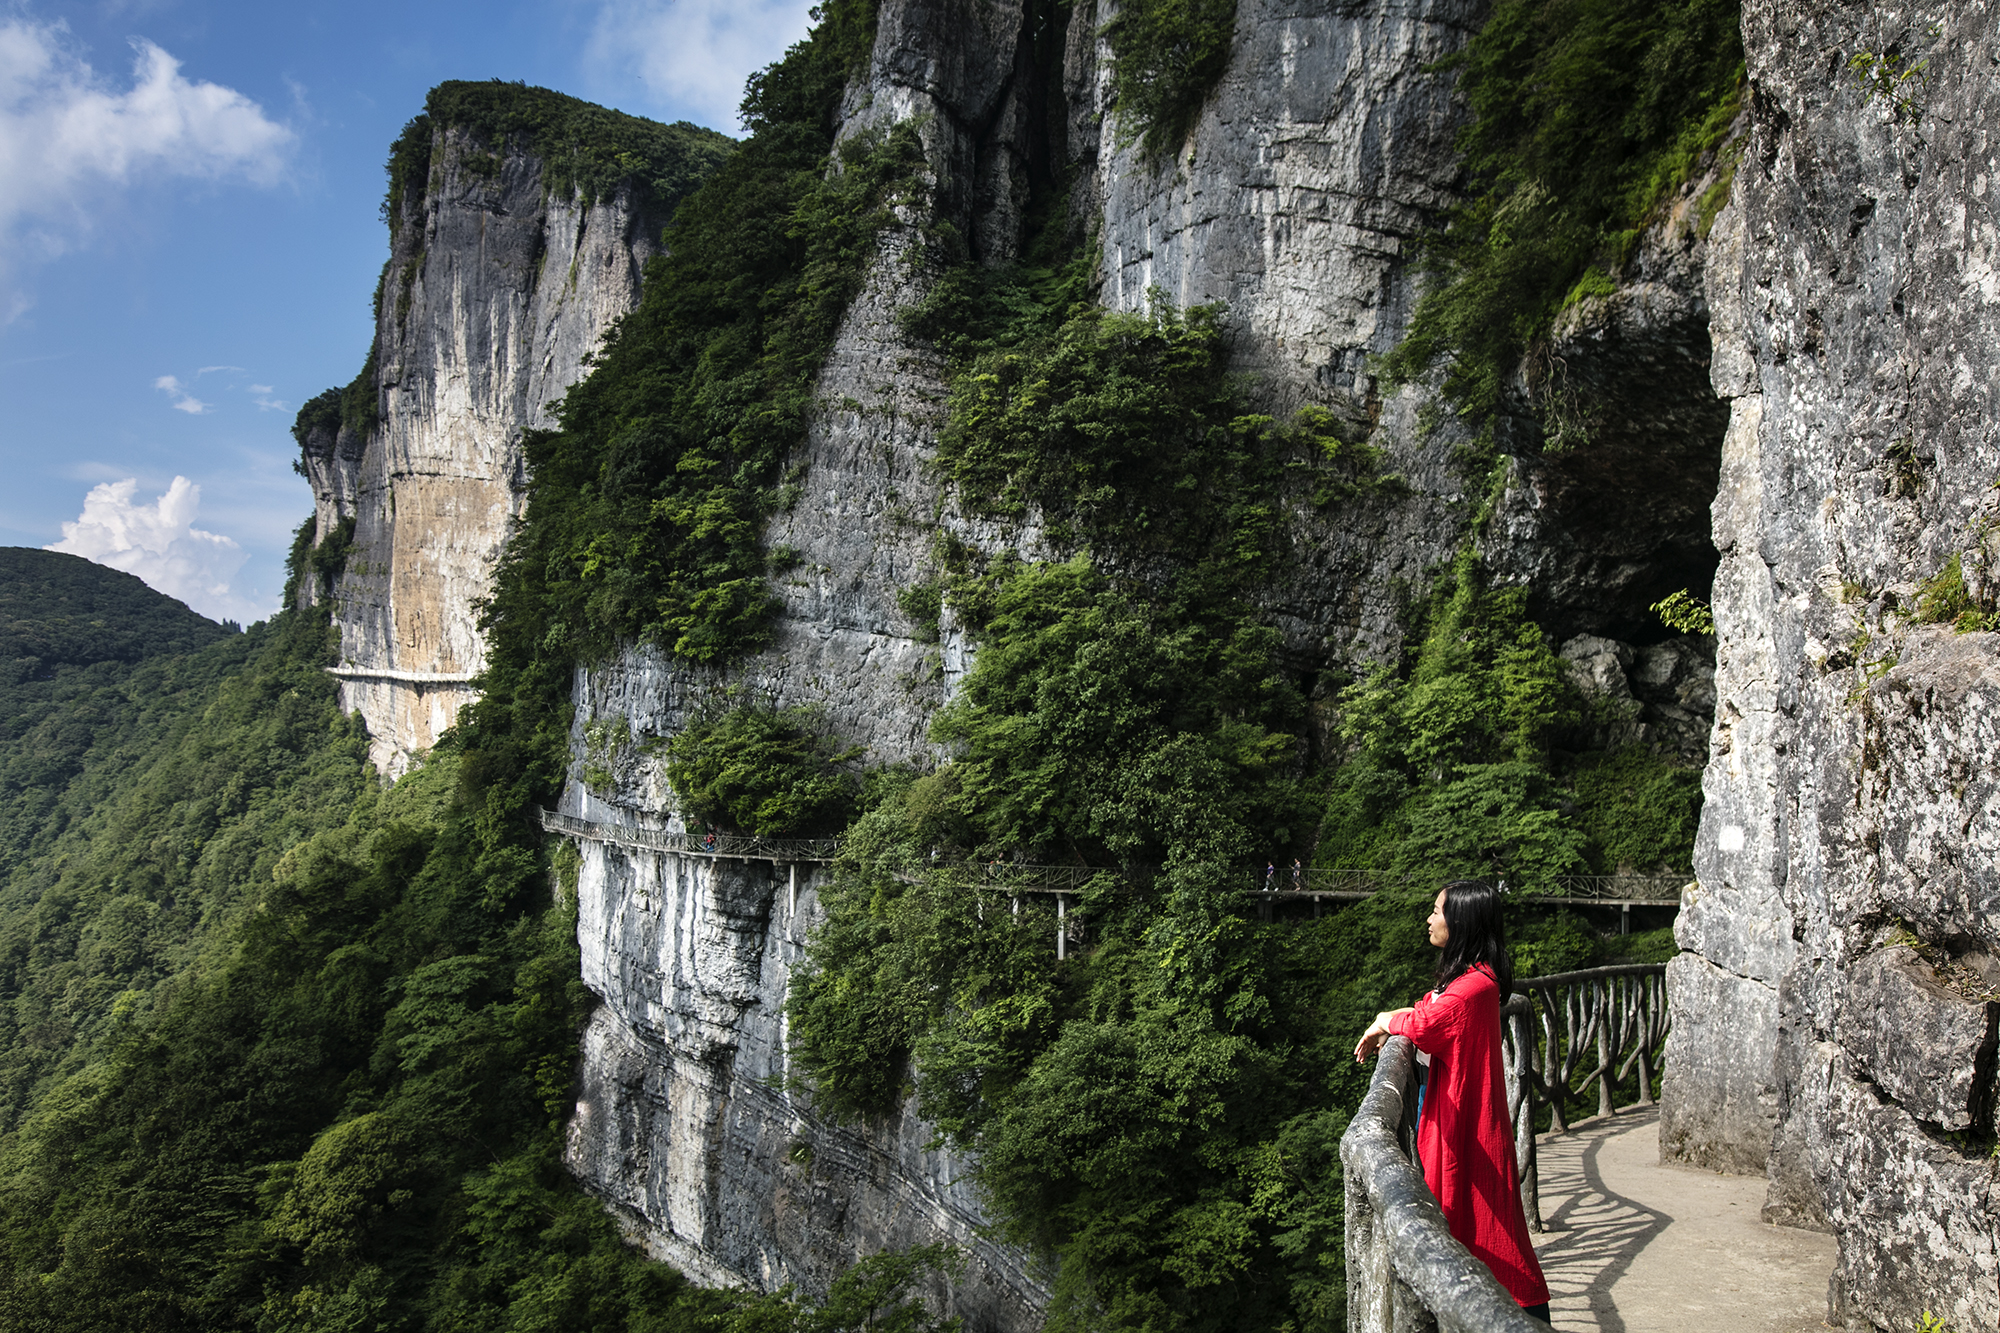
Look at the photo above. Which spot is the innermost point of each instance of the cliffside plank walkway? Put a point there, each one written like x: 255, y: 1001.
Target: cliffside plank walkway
x: 1308, y: 884
x: 1632, y: 1246
x: 722, y: 846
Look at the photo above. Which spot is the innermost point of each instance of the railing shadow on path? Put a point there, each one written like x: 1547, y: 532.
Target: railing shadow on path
x: 1594, y: 1234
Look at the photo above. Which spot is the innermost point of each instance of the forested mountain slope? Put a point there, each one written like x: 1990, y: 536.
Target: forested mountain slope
x: 1160, y: 443
x: 284, y: 1049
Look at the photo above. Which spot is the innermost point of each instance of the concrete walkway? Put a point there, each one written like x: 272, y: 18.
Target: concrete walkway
x: 1635, y: 1247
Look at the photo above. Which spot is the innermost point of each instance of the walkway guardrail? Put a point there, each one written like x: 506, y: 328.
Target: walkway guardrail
x: 739, y: 846
x: 1611, y: 890
x: 1405, y: 1273
x: 1602, y: 1023
x: 1042, y: 877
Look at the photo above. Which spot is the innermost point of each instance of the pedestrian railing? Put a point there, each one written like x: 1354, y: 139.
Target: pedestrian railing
x: 1569, y: 1032
x: 1562, y: 1036
x: 1040, y: 877
x: 1405, y: 1273
x: 1318, y: 881
x: 741, y: 846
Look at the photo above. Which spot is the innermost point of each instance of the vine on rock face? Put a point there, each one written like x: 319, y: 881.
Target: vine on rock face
x: 1587, y: 115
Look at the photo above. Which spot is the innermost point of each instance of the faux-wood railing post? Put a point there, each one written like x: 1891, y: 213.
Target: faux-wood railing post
x: 1648, y: 998
x: 1517, y: 1020
x: 1604, y: 991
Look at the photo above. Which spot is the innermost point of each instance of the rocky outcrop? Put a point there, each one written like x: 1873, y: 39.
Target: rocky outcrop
x: 496, y: 290
x: 1829, y: 1017
x: 688, y: 1124
x: 1662, y: 694
x: 1326, y: 149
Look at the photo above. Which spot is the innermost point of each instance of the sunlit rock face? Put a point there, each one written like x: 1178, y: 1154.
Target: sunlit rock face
x: 493, y: 296
x: 687, y: 1122
x: 1833, y: 1016
x: 1326, y: 149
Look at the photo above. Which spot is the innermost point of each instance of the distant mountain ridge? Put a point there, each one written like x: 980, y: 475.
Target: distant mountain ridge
x: 61, y: 608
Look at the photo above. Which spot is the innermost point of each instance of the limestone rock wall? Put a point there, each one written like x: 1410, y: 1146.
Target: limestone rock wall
x: 1323, y: 153
x: 494, y: 294
x: 684, y: 1125
x: 1834, y: 1013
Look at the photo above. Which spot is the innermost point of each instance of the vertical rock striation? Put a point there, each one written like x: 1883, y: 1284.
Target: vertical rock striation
x: 1833, y: 1016
x: 496, y: 290
x: 1327, y: 148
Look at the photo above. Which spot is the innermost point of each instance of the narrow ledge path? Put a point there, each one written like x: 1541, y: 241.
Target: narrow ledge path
x: 1633, y: 1246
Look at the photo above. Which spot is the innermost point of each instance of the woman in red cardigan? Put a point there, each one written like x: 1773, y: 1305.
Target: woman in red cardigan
x: 1464, y: 1134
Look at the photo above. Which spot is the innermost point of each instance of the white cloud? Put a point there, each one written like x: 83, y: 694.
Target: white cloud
x: 183, y: 400
x: 67, y: 136
x: 695, y: 54
x: 160, y: 544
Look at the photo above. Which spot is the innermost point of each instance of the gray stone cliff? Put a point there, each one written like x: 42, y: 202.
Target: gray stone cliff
x: 495, y: 292
x: 1317, y: 161
x: 1326, y: 149
x: 1834, y: 1016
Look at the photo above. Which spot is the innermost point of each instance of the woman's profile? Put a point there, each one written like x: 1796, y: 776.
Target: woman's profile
x: 1464, y: 1134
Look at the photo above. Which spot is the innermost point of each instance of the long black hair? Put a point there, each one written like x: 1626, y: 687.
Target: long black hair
x: 1474, y: 933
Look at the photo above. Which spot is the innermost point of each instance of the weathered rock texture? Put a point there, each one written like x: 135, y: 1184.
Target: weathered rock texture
x: 1325, y: 150
x: 684, y: 1124
x: 494, y: 294
x: 1851, y: 807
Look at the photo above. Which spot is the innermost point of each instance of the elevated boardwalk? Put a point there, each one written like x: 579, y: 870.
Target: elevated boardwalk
x: 1632, y: 1246
x: 1306, y: 884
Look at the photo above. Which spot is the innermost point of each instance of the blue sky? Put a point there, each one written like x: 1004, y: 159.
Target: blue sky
x: 189, y: 237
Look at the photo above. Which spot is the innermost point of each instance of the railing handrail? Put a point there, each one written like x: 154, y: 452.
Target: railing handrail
x: 1397, y: 1235
x: 1661, y: 889
x: 1590, y: 974
x: 1308, y: 880
x: 701, y: 844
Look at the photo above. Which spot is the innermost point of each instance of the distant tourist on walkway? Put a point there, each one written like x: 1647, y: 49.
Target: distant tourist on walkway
x: 1464, y: 1133
x: 1298, y: 876
x: 1270, y: 875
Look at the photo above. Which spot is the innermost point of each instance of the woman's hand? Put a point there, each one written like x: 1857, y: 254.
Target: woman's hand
x: 1377, y: 1033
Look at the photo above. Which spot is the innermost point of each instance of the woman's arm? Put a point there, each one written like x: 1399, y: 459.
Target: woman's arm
x: 1377, y: 1033
x: 1435, y: 1022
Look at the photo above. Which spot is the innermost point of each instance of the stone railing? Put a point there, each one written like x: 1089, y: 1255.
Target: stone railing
x: 1405, y: 1273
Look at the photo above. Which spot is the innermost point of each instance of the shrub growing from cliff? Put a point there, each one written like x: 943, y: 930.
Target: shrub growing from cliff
x: 1166, y: 56
x: 586, y: 150
x: 1587, y: 115
x: 1161, y: 1114
x: 753, y: 768
x: 1473, y: 758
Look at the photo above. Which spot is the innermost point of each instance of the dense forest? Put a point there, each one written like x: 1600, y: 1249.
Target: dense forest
x: 289, y: 1049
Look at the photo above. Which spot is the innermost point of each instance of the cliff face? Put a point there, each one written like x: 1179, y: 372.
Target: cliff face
x: 497, y: 288
x: 1318, y: 160
x: 1835, y: 1012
